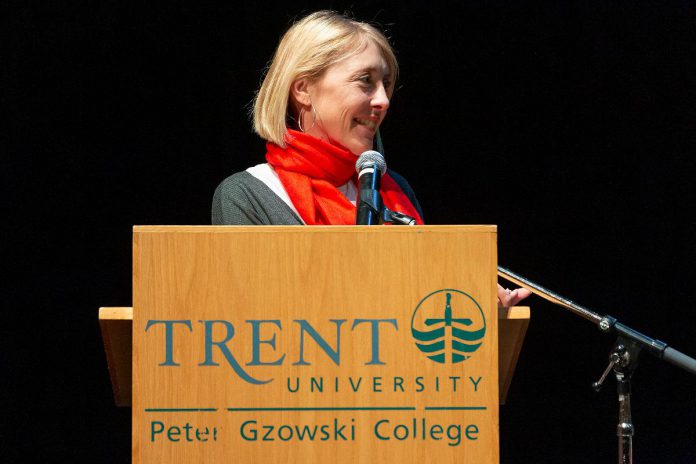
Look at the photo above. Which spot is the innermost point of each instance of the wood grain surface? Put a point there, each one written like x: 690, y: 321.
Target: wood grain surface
x: 290, y: 308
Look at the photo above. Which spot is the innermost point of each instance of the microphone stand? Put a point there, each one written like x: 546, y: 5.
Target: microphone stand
x: 376, y: 210
x: 623, y: 357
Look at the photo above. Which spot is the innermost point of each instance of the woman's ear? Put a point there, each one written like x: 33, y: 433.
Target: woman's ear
x: 299, y: 90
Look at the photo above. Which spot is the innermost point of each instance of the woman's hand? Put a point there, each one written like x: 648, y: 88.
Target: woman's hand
x: 507, y: 297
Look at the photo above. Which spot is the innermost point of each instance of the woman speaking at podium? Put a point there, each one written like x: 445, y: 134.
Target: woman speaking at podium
x: 319, y: 107
x: 320, y: 104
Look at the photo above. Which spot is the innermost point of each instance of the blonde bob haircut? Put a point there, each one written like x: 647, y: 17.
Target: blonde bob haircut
x: 307, y: 49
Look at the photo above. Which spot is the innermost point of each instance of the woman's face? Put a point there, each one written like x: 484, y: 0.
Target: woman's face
x: 350, y: 100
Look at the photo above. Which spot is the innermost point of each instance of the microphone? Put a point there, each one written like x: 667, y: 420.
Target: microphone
x: 370, y: 167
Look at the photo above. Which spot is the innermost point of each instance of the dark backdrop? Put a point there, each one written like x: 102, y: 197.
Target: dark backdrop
x: 569, y: 124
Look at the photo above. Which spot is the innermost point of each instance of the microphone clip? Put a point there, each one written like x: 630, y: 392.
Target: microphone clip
x: 396, y: 218
x: 383, y: 214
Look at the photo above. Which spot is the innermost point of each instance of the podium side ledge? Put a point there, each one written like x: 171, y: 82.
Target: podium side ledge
x: 512, y: 327
x: 117, y: 333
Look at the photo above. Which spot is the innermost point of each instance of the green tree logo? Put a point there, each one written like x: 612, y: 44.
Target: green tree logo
x: 449, y: 325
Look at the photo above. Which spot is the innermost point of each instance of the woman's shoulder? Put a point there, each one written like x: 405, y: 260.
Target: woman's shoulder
x: 238, y: 180
x: 401, y: 180
x: 407, y: 189
x: 243, y: 199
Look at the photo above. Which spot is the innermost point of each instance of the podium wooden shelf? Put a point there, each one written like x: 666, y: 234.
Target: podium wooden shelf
x: 117, y: 325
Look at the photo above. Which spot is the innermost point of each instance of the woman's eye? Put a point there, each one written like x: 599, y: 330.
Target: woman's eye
x: 364, y: 79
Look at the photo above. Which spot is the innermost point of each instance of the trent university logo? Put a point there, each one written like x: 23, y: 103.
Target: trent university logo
x: 448, y: 326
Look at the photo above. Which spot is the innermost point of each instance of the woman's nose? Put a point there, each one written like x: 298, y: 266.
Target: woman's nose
x: 380, y: 100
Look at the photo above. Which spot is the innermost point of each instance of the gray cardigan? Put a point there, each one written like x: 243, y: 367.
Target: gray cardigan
x: 242, y: 199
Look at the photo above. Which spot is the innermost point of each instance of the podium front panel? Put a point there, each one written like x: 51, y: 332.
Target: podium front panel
x: 315, y: 344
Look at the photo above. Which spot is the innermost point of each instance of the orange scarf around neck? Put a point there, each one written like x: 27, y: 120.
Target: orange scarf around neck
x: 311, y: 171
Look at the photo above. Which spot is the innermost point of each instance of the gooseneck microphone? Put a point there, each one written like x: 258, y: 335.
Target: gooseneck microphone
x: 370, y: 167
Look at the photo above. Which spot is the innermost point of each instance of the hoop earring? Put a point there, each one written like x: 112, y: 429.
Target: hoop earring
x: 314, y: 119
x: 299, y: 120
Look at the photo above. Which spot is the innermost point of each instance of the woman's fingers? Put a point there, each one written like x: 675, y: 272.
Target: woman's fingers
x: 507, y: 297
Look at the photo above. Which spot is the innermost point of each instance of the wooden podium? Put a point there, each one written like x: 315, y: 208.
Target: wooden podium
x: 314, y: 344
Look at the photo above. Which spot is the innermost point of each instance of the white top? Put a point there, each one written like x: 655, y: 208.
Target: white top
x: 266, y: 174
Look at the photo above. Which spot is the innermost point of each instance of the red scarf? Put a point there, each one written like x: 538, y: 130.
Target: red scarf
x: 311, y: 170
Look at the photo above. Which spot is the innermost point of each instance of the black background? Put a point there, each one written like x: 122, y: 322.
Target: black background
x: 569, y: 124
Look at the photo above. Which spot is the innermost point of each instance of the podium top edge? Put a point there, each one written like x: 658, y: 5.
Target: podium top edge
x: 125, y: 313
x: 303, y: 229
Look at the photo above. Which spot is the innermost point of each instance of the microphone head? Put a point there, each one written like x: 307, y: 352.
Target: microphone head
x: 371, y: 157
